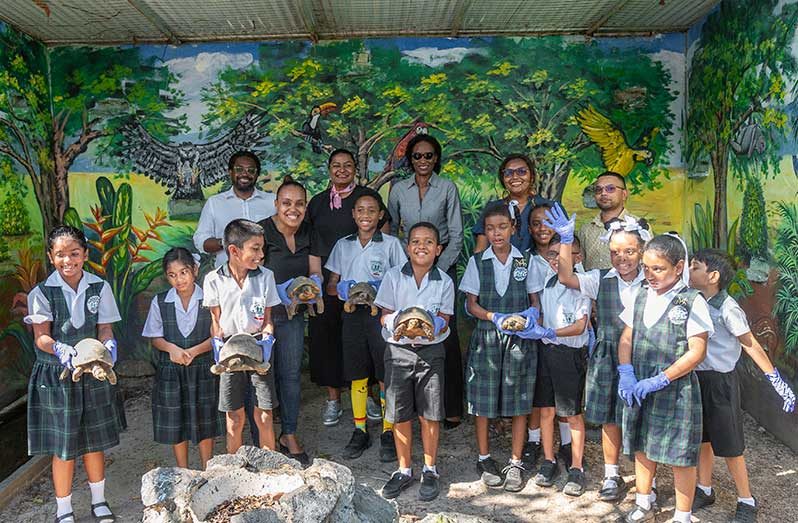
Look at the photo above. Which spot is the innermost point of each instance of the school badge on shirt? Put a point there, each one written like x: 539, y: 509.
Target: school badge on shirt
x: 258, y: 309
x: 376, y: 268
x: 520, y: 270
x: 93, y: 304
x: 678, y: 313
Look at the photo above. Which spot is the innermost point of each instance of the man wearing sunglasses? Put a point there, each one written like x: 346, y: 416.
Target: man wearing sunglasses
x: 610, y: 193
x: 243, y: 200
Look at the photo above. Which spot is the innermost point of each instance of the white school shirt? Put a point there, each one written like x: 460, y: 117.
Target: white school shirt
x: 698, y: 320
x: 501, y: 273
x: 590, y: 281
x: 222, y: 208
x: 723, y: 348
x: 562, y: 307
x: 186, y: 319
x: 399, y: 291
x: 354, y: 261
x: 39, y: 310
x: 242, y: 307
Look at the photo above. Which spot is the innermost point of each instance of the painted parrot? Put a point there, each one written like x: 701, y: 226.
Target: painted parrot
x: 311, y: 129
x: 616, y: 153
x: 397, y: 161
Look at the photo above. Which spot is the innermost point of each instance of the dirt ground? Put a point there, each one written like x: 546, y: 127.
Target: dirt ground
x: 773, y: 469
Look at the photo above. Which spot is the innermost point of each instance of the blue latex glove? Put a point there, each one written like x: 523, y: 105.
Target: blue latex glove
x: 266, y: 346
x: 532, y: 313
x: 439, y: 324
x: 534, y: 331
x: 375, y: 283
x: 558, y: 221
x: 282, y: 292
x: 591, y: 340
x: 65, y: 353
x: 317, y: 279
x: 626, y: 385
x: 343, y: 289
x: 216, y: 343
x: 645, y: 387
x: 783, y: 390
x: 497, y: 320
x: 111, y: 346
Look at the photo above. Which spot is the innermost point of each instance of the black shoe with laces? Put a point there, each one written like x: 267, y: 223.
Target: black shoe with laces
x: 576, y: 483
x: 387, y: 447
x: 613, y: 492
x: 530, y: 454
x: 701, y: 500
x: 547, y: 473
x: 430, y: 486
x: 745, y: 513
x: 638, y: 515
x: 489, y: 472
x: 564, y: 453
x: 513, y: 477
x: 360, y: 441
x: 396, y: 485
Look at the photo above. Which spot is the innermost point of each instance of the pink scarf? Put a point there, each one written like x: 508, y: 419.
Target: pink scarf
x: 335, y: 195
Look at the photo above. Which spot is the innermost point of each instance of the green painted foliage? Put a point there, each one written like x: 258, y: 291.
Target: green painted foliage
x: 14, y: 218
x: 754, y: 225
x: 785, y: 253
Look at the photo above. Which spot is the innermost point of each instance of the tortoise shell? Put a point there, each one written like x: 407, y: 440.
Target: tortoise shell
x: 514, y: 322
x: 303, y: 289
x: 414, y: 322
x: 362, y: 293
x: 241, y: 345
x: 89, y: 351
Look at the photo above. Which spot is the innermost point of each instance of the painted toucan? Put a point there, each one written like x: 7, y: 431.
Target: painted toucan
x: 311, y: 129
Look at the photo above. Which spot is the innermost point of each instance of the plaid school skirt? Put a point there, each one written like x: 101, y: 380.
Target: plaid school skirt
x: 68, y: 419
x: 185, y: 402
x: 602, y: 404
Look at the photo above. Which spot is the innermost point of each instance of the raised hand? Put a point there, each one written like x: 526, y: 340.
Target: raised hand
x: 343, y: 289
x: 645, y: 387
x: 626, y: 385
x: 783, y: 390
x: 65, y: 353
x: 558, y: 221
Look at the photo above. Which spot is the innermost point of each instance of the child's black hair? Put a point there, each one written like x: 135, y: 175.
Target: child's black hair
x: 180, y: 255
x: 555, y: 239
x: 542, y: 205
x: 425, y: 225
x: 290, y: 182
x: 667, y: 246
x: 243, y: 154
x: 498, y: 208
x: 720, y: 261
x: 436, y: 146
x: 340, y: 151
x: 641, y: 222
x: 68, y: 231
x: 239, y: 231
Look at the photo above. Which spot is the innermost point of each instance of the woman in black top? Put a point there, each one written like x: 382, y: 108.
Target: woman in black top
x: 287, y: 252
x: 330, y: 214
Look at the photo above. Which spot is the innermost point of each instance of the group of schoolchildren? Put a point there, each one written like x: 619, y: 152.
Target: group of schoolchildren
x: 662, y: 346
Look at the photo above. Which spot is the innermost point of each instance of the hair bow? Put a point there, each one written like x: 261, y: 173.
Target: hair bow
x: 197, y: 259
x: 628, y: 224
x: 686, y: 271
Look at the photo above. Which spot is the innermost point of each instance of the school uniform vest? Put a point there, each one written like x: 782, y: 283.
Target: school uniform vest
x: 62, y: 328
x: 516, y: 297
x: 171, y: 332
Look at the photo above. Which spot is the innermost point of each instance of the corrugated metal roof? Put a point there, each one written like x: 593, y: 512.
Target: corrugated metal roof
x: 136, y: 21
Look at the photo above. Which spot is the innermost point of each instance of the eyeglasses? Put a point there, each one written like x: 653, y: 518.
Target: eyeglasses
x: 426, y: 156
x: 520, y: 172
x: 238, y: 169
x: 609, y: 189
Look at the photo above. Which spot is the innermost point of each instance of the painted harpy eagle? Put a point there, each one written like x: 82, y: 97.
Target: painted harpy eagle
x: 187, y: 167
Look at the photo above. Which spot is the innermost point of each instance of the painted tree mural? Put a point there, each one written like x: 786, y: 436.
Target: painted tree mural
x: 739, y: 77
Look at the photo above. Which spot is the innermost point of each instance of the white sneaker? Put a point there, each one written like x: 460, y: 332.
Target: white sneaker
x: 332, y: 413
x: 373, y: 410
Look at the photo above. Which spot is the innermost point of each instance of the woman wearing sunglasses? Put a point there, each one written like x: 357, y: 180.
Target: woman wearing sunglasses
x: 517, y: 176
x: 426, y: 197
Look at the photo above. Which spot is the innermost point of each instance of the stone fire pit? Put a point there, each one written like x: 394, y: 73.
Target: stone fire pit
x: 263, y: 487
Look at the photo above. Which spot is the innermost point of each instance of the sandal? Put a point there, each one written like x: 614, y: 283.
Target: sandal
x: 301, y: 457
x: 59, y: 519
x: 109, y: 518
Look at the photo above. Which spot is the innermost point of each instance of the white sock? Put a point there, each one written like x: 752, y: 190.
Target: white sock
x: 643, y: 501
x: 98, y: 496
x: 406, y: 472
x: 483, y: 458
x: 565, y: 433
x: 63, y: 505
x: 430, y: 468
x: 747, y: 501
x: 705, y: 490
x: 681, y: 517
x: 610, y: 471
x: 533, y: 435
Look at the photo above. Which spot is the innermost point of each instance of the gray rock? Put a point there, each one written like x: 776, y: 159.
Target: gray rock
x: 264, y: 515
x: 452, y: 517
x: 134, y: 369
x: 264, y: 460
x: 758, y: 270
x: 165, y: 483
x: 227, y: 461
x: 373, y: 508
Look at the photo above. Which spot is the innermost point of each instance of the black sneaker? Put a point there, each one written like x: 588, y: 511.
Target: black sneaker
x: 513, y: 477
x: 430, y: 486
x: 701, y: 500
x: 638, y: 515
x: 396, y: 485
x: 489, y: 472
x: 576, y: 483
x: 564, y: 453
x: 547, y: 473
x: 745, y: 513
x: 387, y: 447
x: 613, y: 489
x: 529, y: 457
x: 360, y: 441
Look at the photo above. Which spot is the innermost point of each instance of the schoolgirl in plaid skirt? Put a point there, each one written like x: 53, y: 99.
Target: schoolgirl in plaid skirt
x: 664, y: 339
x: 185, y: 393
x: 68, y: 419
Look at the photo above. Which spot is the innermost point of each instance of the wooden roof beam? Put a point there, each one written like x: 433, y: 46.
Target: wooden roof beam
x: 596, y: 25
x: 152, y: 17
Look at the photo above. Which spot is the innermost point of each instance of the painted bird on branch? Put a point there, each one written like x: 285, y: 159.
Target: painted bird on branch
x: 616, y: 153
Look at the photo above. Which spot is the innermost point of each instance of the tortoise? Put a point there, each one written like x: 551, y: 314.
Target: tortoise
x: 241, y: 353
x: 92, y: 358
x: 514, y: 322
x: 361, y: 294
x: 414, y: 322
x: 303, y: 290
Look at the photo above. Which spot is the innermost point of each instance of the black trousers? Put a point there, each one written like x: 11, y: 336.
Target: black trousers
x: 326, y: 358
x: 453, y: 365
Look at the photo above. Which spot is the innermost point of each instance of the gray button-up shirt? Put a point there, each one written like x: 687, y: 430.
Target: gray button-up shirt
x: 440, y: 206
